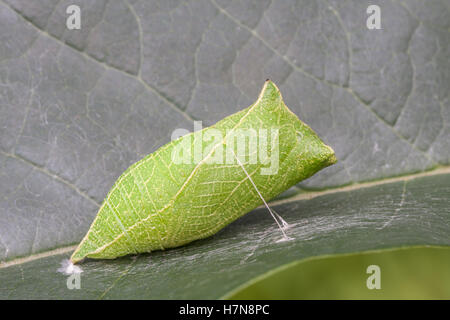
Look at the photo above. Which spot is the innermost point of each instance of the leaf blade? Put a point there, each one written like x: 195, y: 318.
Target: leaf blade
x: 335, y: 223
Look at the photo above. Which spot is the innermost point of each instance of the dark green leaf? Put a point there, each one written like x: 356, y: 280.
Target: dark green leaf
x: 405, y: 213
x: 406, y: 273
x: 78, y: 107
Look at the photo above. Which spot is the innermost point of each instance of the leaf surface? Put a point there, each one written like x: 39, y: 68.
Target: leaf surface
x: 78, y: 108
x: 401, y: 213
x: 423, y: 270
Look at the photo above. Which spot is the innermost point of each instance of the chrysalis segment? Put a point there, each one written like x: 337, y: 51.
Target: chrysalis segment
x: 191, y: 187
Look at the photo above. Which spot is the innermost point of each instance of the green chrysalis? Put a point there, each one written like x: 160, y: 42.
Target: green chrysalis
x: 194, y: 186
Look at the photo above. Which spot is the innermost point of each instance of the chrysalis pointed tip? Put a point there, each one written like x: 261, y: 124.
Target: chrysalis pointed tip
x: 74, y: 261
x: 75, y: 257
x: 269, y: 84
x: 331, y: 158
x: 269, y: 91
